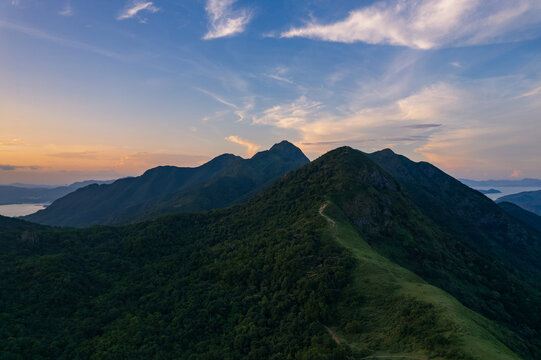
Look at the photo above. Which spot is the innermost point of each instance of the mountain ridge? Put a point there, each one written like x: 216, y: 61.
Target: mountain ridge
x: 263, y: 279
x: 528, y: 200
x: 166, y: 189
x: 277, y: 240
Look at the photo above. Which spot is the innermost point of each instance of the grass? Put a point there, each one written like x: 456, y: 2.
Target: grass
x: 398, y: 313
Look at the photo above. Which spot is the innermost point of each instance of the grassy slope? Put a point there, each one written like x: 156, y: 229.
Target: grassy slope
x: 382, y: 282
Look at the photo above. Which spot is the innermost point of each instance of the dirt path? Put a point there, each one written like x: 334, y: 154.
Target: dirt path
x: 329, y: 220
x: 334, y: 337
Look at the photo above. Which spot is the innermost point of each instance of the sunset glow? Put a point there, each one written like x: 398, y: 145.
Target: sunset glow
x: 109, y: 89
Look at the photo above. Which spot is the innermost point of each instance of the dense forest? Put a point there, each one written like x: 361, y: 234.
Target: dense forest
x: 336, y: 260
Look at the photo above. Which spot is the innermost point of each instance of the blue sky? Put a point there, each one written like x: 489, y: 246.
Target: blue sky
x: 101, y: 89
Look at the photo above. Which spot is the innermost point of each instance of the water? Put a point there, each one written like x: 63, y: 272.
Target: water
x: 20, y: 209
x: 506, y: 190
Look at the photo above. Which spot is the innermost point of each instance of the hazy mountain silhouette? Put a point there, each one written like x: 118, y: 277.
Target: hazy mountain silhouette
x: 35, y: 194
x: 223, y: 181
x: 528, y: 200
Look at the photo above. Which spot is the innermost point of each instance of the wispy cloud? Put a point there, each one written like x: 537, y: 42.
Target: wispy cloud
x: 30, y: 31
x: 292, y: 115
x: 428, y: 24
x: 67, y: 10
x: 422, y: 126
x: 320, y: 127
x: 77, y: 155
x: 12, y: 142
x: 532, y: 92
x: 217, y: 98
x: 4, y: 167
x: 280, y: 78
x: 251, y: 147
x: 224, y: 20
x: 135, y: 7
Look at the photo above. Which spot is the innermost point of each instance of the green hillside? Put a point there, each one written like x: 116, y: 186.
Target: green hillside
x: 276, y: 277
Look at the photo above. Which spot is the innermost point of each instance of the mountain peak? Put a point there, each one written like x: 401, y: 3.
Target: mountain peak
x: 284, y: 145
x: 285, y: 150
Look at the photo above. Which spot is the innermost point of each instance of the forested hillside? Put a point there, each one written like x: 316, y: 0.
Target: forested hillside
x: 334, y: 261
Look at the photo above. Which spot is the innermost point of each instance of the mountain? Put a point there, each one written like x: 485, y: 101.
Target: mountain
x: 460, y: 210
x: 488, y: 183
x: 223, y: 181
x: 34, y: 194
x: 528, y: 200
x: 524, y: 216
x: 490, y: 191
x: 336, y: 260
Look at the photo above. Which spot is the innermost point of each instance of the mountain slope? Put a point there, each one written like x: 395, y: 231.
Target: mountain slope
x: 169, y: 189
x: 270, y: 278
x: 465, y: 212
x: 524, y: 216
x: 528, y: 200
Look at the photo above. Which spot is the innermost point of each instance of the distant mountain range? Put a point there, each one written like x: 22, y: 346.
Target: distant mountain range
x: 221, y: 182
x: 350, y: 256
x: 528, y: 200
x: 490, y: 191
x: 36, y: 194
x: 488, y: 183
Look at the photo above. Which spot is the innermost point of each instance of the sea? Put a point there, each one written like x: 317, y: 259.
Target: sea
x: 15, y: 210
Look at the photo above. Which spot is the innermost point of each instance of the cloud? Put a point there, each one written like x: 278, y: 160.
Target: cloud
x: 427, y: 24
x: 224, y: 21
x: 12, y: 142
x: 251, y: 147
x: 5, y: 167
x: 135, y: 7
x: 217, y: 98
x: 67, y: 10
x: 77, y: 155
x: 421, y: 126
x: 368, y: 139
x: 316, y: 124
x: 532, y: 92
x: 39, y: 34
x: 515, y: 174
x: 293, y: 115
x: 280, y: 78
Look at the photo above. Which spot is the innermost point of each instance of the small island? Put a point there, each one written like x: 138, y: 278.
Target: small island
x: 489, y: 191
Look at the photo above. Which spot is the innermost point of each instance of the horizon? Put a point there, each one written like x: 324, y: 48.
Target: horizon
x: 108, y: 90
x: 243, y: 157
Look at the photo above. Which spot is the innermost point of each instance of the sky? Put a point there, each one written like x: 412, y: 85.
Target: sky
x: 104, y: 89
